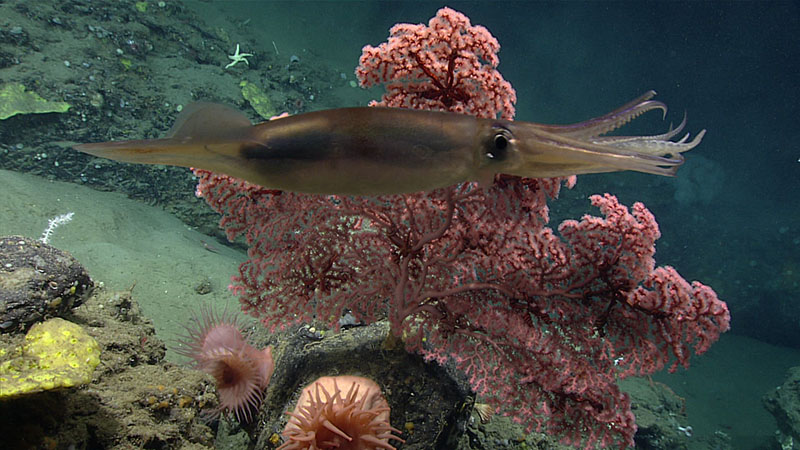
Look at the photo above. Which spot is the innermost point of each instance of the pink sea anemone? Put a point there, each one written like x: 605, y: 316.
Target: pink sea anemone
x: 215, y: 344
x: 326, y: 418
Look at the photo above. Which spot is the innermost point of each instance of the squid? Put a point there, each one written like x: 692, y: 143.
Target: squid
x: 376, y: 151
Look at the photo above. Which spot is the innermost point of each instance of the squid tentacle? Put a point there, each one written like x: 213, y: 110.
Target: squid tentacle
x: 611, y: 121
x: 658, y: 146
x: 671, y: 133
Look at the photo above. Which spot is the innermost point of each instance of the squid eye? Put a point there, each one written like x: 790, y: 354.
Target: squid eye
x: 500, y: 142
x: 498, y: 147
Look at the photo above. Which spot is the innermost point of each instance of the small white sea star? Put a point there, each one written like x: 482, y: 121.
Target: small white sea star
x: 237, y: 57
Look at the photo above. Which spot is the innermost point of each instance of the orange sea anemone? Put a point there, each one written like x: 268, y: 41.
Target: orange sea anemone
x: 215, y: 344
x: 326, y: 418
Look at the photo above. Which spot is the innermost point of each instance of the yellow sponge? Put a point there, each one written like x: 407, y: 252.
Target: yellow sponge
x: 56, y: 354
x: 14, y: 99
x: 258, y: 100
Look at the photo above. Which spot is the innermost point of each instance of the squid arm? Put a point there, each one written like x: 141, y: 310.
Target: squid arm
x: 374, y: 151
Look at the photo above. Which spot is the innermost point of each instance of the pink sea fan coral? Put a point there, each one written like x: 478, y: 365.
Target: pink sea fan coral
x: 543, y: 323
x: 215, y: 344
x: 447, y: 65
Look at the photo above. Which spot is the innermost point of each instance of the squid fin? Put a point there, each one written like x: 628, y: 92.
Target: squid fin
x: 202, y: 133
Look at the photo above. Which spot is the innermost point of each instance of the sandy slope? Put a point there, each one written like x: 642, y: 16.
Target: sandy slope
x: 122, y: 242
